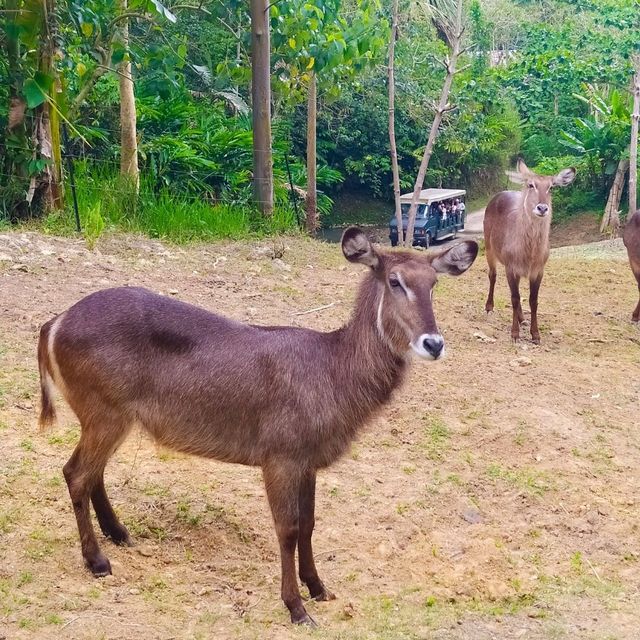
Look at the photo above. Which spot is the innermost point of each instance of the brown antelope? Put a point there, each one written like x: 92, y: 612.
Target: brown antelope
x: 516, y: 233
x: 631, y: 238
x: 287, y: 399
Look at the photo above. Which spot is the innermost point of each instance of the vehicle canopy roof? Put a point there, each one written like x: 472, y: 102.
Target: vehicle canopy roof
x: 429, y: 196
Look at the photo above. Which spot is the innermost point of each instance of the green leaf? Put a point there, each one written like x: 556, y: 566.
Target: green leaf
x: 33, y: 93
x: 163, y: 11
x: 117, y: 55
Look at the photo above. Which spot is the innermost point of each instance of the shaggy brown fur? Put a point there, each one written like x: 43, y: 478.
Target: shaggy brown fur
x: 631, y: 238
x: 287, y: 399
x: 516, y: 234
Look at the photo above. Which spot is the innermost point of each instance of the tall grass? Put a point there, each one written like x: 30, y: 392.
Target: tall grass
x: 108, y: 198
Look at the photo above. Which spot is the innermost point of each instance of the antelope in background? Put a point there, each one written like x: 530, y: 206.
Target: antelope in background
x: 286, y: 399
x: 631, y: 238
x: 516, y: 234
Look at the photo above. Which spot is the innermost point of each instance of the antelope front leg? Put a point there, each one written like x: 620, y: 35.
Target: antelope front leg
x: 514, y: 285
x: 282, y: 481
x: 306, y: 509
x: 534, y: 288
x: 488, y: 307
x: 635, y: 317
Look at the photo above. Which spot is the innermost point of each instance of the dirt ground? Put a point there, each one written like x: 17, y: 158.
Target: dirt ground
x: 578, y: 229
x: 496, y: 498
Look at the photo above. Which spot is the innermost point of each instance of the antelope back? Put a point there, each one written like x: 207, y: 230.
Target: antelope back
x: 631, y: 238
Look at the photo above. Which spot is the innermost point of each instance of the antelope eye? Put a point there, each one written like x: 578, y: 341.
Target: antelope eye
x: 531, y: 185
x: 394, y: 282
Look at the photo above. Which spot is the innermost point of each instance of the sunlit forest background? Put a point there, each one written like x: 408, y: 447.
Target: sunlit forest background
x: 547, y: 80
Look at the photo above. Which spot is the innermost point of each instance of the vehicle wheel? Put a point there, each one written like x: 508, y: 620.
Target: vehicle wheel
x: 427, y: 241
x: 394, y: 242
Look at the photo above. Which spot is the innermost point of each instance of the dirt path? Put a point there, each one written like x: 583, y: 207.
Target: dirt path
x: 497, y: 498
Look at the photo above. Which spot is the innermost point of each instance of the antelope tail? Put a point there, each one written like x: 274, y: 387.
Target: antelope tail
x: 47, y: 408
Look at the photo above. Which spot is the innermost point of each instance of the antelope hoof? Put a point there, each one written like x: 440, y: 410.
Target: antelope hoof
x: 123, y: 542
x: 323, y: 596
x: 488, y: 308
x: 99, y: 566
x: 120, y: 537
x: 515, y: 338
x: 535, y: 339
x: 303, y: 618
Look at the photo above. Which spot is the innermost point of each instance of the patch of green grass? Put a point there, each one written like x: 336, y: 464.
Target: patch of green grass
x: 27, y: 623
x: 363, y: 491
x: 435, y: 437
x: 54, y: 481
x: 41, y: 544
x: 24, y: 578
x: 7, y: 520
x: 528, y: 480
x: 185, y: 515
x: 577, y: 565
x: 107, y: 203
x: 155, y: 590
x: 230, y: 520
x: 454, y: 479
x: 155, y: 490
x: 521, y: 433
x: 395, y: 617
x: 94, y: 592
x: 53, y: 618
x: 145, y: 527
x: 66, y: 438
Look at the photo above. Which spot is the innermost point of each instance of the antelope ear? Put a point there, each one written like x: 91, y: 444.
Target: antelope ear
x: 565, y: 177
x: 522, y: 168
x: 357, y: 248
x: 457, y: 259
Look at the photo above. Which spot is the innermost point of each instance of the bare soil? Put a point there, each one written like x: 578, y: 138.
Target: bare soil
x: 497, y: 496
x: 576, y: 230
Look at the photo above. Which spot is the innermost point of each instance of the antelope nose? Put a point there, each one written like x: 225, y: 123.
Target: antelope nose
x: 542, y: 209
x: 433, y: 344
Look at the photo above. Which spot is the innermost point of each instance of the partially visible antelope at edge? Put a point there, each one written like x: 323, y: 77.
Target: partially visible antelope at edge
x: 287, y: 399
x: 631, y: 238
x: 516, y: 234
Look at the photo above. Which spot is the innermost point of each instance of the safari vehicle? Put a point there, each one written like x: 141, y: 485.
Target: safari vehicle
x: 439, y: 216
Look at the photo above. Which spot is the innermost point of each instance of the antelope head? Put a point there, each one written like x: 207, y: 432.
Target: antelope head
x: 404, y: 282
x: 536, y: 198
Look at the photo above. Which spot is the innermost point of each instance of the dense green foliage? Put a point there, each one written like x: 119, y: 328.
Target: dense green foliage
x: 547, y: 79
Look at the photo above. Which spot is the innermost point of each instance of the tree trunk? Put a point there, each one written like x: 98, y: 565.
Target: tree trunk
x: 450, y: 65
x: 392, y: 123
x: 17, y: 105
x: 611, y: 218
x: 261, y: 105
x: 46, y: 130
x: 128, y: 123
x: 633, y: 147
x: 312, y: 195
